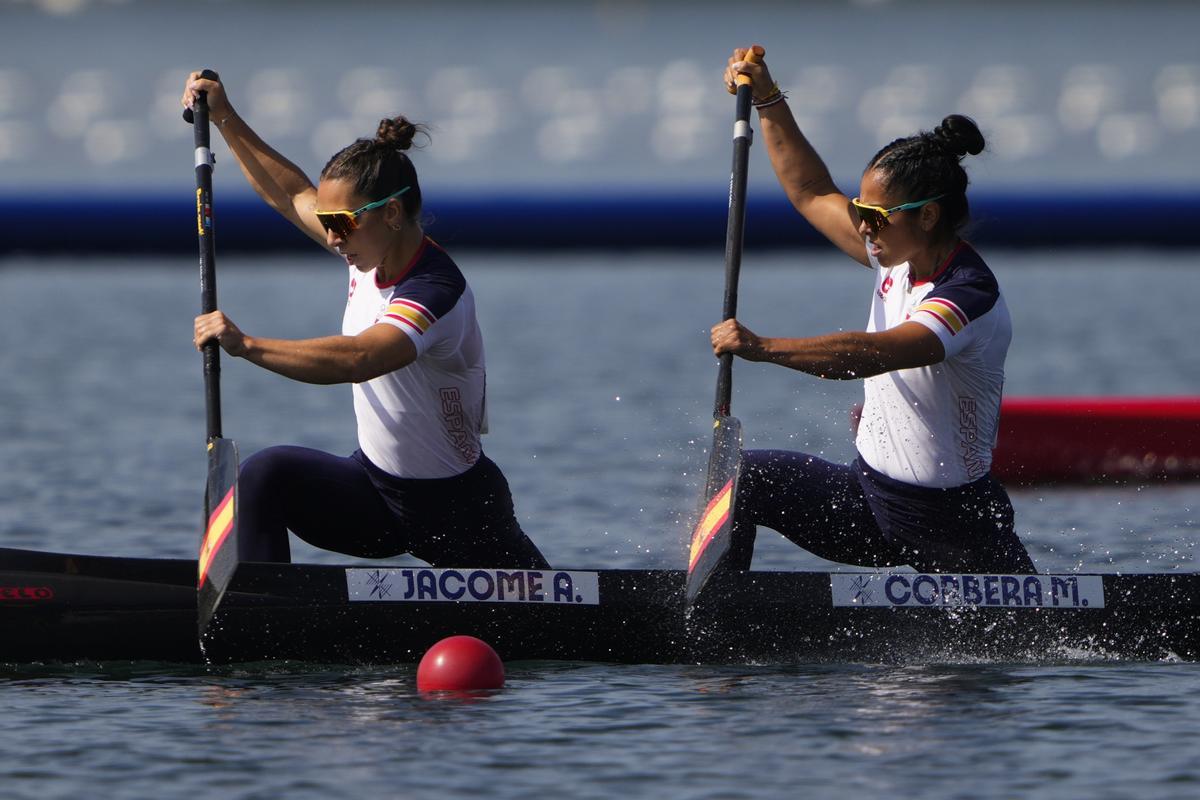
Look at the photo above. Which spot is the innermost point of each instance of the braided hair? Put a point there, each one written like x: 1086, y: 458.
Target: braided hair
x: 378, y: 167
x: 927, y: 164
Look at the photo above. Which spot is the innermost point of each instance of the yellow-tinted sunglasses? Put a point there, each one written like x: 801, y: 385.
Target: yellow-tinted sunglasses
x: 876, y: 216
x: 343, y: 223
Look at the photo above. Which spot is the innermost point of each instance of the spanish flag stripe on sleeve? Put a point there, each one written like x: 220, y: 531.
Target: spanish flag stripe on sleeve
x: 406, y: 321
x: 413, y: 304
x: 944, y: 312
x: 411, y: 313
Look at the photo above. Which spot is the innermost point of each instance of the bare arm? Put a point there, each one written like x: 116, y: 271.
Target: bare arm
x: 807, y: 182
x: 278, y: 181
x: 838, y: 356
x: 376, y: 351
x: 801, y: 172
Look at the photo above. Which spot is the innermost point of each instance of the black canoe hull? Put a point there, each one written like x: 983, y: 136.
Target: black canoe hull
x: 63, y: 607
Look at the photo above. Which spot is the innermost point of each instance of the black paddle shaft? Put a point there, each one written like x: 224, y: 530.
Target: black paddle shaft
x: 733, y: 237
x: 208, y: 258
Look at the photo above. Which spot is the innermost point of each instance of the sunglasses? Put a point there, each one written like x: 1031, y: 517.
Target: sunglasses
x: 343, y: 223
x: 876, y: 216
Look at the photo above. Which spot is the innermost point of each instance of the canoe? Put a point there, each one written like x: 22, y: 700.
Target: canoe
x: 70, y: 607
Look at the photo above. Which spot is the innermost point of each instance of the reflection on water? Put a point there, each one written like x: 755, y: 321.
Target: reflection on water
x: 660, y: 730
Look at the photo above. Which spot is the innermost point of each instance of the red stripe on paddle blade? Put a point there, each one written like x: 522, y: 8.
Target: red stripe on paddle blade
x: 714, y: 520
x: 219, y: 546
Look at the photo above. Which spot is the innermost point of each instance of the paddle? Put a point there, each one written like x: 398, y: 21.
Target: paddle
x: 711, y: 538
x: 218, y: 545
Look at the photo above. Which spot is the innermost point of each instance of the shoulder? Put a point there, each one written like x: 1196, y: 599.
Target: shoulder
x: 968, y: 285
x: 434, y: 283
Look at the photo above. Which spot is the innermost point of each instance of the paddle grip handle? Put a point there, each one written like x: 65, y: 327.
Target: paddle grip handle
x: 754, y: 56
x: 209, y: 75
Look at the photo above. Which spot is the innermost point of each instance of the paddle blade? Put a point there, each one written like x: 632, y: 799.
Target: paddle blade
x: 218, y: 546
x: 712, y: 535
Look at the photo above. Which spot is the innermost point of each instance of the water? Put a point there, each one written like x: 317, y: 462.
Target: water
x: 601, y: 388
x: 595, y: 731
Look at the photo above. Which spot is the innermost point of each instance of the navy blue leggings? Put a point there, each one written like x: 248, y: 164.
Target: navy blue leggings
x: 851, y: 514
x: 350, y: 506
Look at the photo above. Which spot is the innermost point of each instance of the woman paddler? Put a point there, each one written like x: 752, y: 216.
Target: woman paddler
x: 410, y: 346
x: 932, y: 356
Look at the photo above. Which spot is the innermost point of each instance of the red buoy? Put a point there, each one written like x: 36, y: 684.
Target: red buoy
x: 460, y: 663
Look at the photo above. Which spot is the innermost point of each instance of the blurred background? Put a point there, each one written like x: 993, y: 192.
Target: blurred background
x: 553, y: 122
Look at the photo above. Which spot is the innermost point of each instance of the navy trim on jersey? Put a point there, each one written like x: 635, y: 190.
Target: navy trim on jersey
x: 968, y: 283
x: 434, y: 281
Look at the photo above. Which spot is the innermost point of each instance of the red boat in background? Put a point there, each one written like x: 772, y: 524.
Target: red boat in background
x: 1097, y: 440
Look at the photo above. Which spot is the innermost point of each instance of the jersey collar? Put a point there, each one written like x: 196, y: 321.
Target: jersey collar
x: 937, y: 273
x: 412, y: 262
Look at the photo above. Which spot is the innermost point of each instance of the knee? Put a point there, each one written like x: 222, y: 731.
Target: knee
x: 266, y: 468
x: 755, y: 464
x: 766, y: 472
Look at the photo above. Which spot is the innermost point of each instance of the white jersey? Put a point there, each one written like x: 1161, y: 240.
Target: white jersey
x: 423, y: 420
x: 936, y: 426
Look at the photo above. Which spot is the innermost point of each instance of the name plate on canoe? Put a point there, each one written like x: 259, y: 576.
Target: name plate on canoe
x: 427, y: 585
x: 907, y: 589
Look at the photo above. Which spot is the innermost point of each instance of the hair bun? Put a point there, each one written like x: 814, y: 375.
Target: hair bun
x: 397, y: 133
x: 959, y: 135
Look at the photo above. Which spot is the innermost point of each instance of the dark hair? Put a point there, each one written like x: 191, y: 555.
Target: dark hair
x: 377, y: 167
x: 927, y: 164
